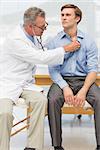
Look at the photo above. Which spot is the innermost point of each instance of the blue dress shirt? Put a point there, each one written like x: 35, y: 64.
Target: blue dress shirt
x: 77, y: 63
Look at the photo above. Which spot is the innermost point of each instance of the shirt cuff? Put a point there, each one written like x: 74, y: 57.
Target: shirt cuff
x: 62, y: 84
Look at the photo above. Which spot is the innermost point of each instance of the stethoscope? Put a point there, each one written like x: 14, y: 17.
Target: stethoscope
x: 40, y: 42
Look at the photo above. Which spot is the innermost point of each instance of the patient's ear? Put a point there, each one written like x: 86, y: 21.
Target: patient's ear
x: 77, y: 19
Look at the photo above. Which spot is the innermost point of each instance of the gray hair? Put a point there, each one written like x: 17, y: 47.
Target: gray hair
x: 31, y: 14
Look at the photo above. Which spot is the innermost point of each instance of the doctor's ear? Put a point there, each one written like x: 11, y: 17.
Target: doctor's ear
x: 30, y: 26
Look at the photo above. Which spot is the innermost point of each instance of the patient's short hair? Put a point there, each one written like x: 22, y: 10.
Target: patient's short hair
x: 78, y: 12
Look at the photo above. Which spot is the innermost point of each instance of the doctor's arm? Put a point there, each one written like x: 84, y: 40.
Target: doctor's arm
x: 26, y: 52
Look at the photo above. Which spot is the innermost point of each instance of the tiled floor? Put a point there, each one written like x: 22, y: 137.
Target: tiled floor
x: 76, y: 135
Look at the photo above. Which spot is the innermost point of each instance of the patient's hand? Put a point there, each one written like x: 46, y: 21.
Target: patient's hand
x: 72, y: 46
x: 68, y: 95
x: 80, y: 97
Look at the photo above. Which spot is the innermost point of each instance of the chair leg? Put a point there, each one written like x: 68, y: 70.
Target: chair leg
x: 79, y: 116
x: 22, y: 128
x: 29, y: 110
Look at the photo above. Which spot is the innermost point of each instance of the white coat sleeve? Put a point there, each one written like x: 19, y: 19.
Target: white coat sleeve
x: 25, y: 52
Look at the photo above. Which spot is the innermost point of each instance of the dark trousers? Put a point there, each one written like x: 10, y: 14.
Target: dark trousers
x: 56, y: 101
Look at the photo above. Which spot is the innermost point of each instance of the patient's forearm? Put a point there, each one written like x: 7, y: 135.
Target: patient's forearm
x: 90, y: 79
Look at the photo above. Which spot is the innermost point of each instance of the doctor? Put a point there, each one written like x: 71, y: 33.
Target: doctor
x: 19, y: 55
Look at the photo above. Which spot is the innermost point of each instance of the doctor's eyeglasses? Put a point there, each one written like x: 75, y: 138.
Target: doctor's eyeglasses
x: 43, y: 27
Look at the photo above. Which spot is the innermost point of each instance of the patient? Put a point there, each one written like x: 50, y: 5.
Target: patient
x: 74, y: 80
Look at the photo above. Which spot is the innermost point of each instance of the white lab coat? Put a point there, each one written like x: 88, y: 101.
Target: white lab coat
x: 18, y: 57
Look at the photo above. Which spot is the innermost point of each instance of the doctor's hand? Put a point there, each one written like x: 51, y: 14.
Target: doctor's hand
x: 72, y: 46
x: 68, y: 95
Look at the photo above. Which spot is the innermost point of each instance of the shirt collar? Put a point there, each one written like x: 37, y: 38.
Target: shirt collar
x: 79, y: 34
x: 28, y: 36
